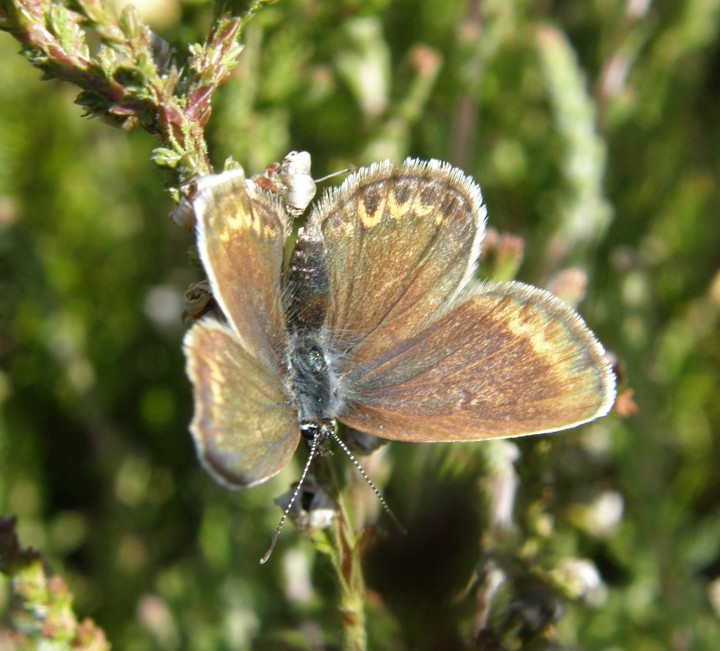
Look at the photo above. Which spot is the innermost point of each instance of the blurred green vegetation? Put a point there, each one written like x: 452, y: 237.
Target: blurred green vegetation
x: 593, y: 130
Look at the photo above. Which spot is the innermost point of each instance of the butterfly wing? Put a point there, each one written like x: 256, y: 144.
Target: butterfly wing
x: 244, y: 427
x: 401, y: 244
x: 507, y: 360
x: 241, y: 234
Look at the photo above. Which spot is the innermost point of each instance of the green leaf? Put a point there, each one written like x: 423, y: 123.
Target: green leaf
x: 64, y: 24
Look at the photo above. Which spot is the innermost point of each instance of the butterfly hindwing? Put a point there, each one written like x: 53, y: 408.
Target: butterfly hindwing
x: 244, y: 426
x: 507, y: 360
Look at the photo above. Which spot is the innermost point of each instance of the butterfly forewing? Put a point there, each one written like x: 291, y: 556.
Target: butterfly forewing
x: 507, y: 360
x: 241, y: 239
x: 244, y: 426
x: 401, y: 243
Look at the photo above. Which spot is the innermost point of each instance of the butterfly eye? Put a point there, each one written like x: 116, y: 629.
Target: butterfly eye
x: 318, y: 430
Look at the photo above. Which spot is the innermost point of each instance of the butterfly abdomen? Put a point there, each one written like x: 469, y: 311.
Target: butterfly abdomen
x: 306, y: 283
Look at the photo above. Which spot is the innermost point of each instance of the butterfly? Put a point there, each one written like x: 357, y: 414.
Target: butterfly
x: 373, y: 320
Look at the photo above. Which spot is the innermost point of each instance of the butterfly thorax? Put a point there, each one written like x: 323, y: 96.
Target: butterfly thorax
x: 310, y: 377
x: 306, y: 292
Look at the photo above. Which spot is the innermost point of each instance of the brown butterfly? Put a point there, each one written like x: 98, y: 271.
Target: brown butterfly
x: 374, y: 320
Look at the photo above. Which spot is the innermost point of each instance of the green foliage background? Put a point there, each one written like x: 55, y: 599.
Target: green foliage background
x: 616, y: 175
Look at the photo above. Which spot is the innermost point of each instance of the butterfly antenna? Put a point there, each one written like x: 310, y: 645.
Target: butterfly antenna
x: 273, y: 540
x: 374, y: 488
x: 347, y: 170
